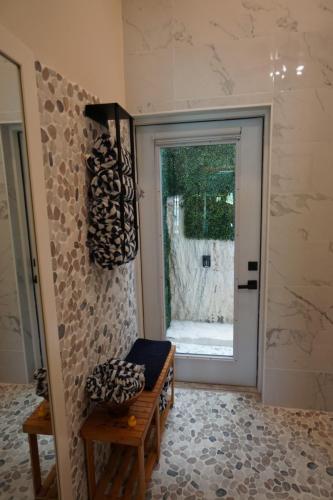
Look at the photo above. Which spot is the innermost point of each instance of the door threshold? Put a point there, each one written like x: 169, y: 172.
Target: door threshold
x: 217, y: 387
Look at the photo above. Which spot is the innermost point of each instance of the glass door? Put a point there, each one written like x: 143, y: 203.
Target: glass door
x: 200, y: 228
x: 198, y: 193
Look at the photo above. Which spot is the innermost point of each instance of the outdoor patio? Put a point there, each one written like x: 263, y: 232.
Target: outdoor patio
x: 198, y: 337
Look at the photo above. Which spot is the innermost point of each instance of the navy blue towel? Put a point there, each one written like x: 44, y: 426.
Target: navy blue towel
x: 152, y: 354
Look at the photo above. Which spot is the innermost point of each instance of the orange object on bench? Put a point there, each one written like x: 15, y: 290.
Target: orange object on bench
x: 135, y: 450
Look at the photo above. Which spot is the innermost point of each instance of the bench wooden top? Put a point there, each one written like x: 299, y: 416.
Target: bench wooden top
x: 37, y: 424
x: 101, y: 426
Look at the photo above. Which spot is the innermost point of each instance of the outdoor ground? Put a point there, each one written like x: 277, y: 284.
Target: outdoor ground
x: 197, y: 337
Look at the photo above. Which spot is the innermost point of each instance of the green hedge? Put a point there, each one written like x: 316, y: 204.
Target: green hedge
x: 204, y: 177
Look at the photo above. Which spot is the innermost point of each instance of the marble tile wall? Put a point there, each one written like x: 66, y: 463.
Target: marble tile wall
x: 96, y: 308
x: 189, y: 54
x: 12, y: 363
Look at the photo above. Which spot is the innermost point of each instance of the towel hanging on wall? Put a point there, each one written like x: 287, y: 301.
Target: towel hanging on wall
x: 112, y: 232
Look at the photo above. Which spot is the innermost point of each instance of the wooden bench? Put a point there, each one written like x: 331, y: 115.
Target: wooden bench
x: 39, y: 423
x: 134, y: 450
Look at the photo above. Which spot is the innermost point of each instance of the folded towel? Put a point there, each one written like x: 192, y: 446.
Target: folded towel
x: 112, y: 237
x: 115, y: 381
x: 164, y: 393
x: 106, y: 183
x: 104, y: 152
x: 42, y: 386
x: 126, y: 162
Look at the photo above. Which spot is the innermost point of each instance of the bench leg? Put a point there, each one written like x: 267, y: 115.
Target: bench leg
x: 90, y: 463
x: 173, y: 384
x: 158, y: 429
x: 35, y: 464
x: 141, y: 472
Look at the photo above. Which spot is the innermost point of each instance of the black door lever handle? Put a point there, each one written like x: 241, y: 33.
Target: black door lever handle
x: 251, y: 285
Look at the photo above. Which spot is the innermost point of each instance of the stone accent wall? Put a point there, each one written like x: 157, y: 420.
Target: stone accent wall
x: 96, y: 308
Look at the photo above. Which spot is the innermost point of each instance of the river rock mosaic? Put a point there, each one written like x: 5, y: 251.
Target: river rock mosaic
x: 228, y: 445
x: 96, y: 308
x: 17, y: 402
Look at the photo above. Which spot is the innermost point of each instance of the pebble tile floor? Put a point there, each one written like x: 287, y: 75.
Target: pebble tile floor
x: 216, y: 445
x: 16, y: 403
x: 228, y: 445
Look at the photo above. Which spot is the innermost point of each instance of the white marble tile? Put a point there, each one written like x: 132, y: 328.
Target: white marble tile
x: 301, y: 217
x: 302, y: 168
x: 149, y: 80
x: 11, y: 341
x: 304, y: 115
x: 303, y: 60
x: 206, y: 22
x: 286, y: 16
x: 300, y: 328
x: 155, y: 24
x: 10, y: 332
x: 296, y: 262
x: 298, y: 389
x: 234, y: 67
x: 12, y: 367
x: 230, y: 101
x: 212, y: 21
x: 147, y: 25
x: 10, y: 325
x: 297, y: 349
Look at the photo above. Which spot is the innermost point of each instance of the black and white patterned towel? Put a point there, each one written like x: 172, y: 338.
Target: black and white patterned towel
x: 104, y: 154
x: 164, y: 393
x: 111, y: 232
x: 115, y: 381
x: 106, y: 183
x: 128, y: 188
x: 126, y: 162
x: 42, y: 385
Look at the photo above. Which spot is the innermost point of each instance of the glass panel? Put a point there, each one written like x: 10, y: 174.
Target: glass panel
x: 198, y: 198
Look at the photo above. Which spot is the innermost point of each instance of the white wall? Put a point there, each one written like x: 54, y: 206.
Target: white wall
x: 12, y: 360
x: 82, y: 39
x: 193, y: 54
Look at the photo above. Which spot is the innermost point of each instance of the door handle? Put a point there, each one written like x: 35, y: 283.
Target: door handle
x: 251, y: 285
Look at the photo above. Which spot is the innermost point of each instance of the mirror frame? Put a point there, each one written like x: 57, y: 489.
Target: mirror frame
x: 20, y: 54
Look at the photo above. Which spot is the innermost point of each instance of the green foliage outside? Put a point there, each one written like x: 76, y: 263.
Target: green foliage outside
x: 204, y: 177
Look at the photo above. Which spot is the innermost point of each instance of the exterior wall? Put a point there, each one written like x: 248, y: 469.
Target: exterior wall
x: 81, y: 38
x: 96, y: 308
x: 193, y: 55
x: 198, y: 293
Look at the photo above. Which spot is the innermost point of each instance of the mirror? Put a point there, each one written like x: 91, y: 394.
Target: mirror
x: 27, y: 452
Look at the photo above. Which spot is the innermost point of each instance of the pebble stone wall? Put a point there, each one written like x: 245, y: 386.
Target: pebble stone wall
x: 96, y: 308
